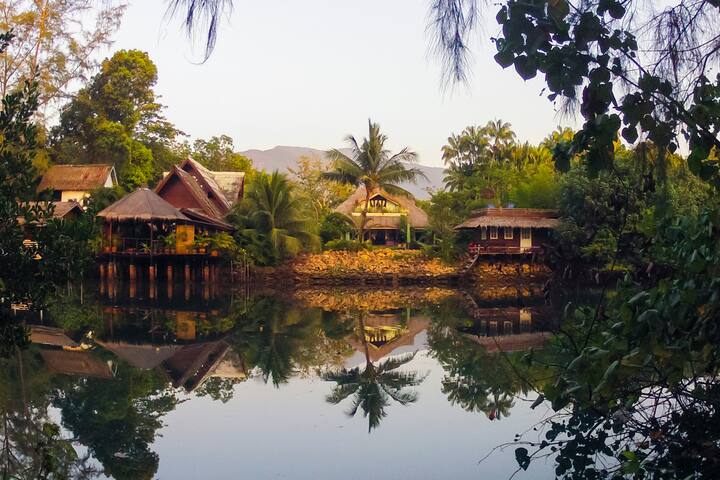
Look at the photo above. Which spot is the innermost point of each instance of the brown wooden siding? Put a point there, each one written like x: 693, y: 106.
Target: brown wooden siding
x: 177, y: 195
x: 540, y: 236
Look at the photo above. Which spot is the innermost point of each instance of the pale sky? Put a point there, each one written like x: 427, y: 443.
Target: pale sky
x: 308, y: 72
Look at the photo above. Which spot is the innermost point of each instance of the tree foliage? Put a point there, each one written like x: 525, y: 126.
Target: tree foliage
x: 116, y: 119
x: 56, y: 43
x: 269, y: 220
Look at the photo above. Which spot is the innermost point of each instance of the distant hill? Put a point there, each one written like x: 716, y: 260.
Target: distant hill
x: 281, y: 158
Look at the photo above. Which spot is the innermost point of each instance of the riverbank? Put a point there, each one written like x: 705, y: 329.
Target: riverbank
x: 393, y: 268
x: 374, y: 267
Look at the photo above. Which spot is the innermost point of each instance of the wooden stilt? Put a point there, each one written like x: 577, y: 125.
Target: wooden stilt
x: 206, y: 273
x: 169, y: 273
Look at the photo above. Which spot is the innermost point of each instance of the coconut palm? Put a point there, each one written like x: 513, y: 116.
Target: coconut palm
x: 373, y: 387
x: 372, y: 166
x: 501, y: 138
x: 270, y: 210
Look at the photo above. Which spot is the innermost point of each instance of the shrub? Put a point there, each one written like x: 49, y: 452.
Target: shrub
x: 346, y: 245
x: 335, y: 226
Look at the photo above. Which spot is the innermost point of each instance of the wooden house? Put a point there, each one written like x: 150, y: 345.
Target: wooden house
x: 140, y: 224
x: 388, y: 215
x: 192, y: 187
x: 507, y: 231
x: 77, y: 182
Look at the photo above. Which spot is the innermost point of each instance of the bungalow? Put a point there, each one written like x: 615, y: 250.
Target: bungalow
x: 195, y: 188
x: 142, y: 223
x: 509, y: 230
x: 77, y: 182
x: 386, y: 214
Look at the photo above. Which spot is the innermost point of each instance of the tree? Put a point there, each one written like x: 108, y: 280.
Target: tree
x: 271, y: 214
x: 372, y: 166
x: 218, y: 154
x: 587, y: 48
x: 117, y: 420
x: 22, y: 279
x: 56, y: 43
x: 116, y: 119
x: 320, y: 194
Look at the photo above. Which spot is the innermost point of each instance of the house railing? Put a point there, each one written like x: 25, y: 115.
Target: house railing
x: 138, y: 246
x: 501, y: 250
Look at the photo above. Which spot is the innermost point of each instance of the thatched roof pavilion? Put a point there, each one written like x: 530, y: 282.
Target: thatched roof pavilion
x: 142, y: 205
x: 351, y: 207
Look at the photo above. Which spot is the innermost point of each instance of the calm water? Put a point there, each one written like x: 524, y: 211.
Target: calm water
x: 176, y: 383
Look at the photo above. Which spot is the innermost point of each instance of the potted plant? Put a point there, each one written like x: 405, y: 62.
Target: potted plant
x: 201, y: 242
x: 169, y: 243
x: 115, y: 243
x: 221, y: 242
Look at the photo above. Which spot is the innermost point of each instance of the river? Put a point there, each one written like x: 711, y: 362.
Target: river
x: 180, y: 383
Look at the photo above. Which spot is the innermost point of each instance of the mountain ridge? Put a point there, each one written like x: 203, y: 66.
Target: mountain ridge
x: 284, y: 157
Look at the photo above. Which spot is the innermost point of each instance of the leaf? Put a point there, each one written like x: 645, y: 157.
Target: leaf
x: 522, y: 457
x: 538, y: 401
x: 558, y: 10
x: 630, y: 134
x: 526, y: 67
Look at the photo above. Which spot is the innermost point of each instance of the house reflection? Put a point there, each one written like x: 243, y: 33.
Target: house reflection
x: 387, y: 331
x: 182, y: 337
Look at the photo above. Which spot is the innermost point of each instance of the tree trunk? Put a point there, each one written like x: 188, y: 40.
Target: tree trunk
x: 363, y: 215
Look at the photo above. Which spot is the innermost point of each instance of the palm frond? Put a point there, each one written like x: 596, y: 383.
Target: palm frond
x: 200, y: 16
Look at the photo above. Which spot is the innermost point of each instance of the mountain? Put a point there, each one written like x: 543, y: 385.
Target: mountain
x: 281, y: 158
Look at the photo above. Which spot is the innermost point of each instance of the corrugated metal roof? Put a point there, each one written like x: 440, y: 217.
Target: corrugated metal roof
x: 75, y: 177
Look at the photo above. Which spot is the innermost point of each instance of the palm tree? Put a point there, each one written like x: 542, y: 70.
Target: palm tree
x: 373, y: 387
x: 372, y: 166
x: 270, y: 209
x: 501, y: 138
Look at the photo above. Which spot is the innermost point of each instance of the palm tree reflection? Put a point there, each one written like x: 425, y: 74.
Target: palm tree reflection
x: 374, y: 387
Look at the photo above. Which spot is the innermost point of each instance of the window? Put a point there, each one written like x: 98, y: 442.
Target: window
x: 493, y: 233
x: 483, y: 233
x: 508, y: 233
x: 525, y: 234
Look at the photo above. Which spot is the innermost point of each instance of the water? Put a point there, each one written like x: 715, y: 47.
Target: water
x: 200, y: 383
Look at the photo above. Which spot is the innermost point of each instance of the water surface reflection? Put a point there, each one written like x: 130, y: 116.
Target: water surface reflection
x: 157, y: 382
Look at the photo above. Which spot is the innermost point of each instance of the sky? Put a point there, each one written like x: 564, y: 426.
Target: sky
x: 310, y: 72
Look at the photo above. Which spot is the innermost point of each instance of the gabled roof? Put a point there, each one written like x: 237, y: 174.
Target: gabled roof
x: 142, y: 204
x: 512, y: 217
x: 228, y: 184
x: 61, y: 210
x: 82, y: 364
x: 77, y: 177
x: 144, y: 356
x: 214, y: 192
x: 416, y: 216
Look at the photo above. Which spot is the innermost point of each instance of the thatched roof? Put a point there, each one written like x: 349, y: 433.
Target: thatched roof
x: 61, y: 210
x: 416, y: 217
x: 511, y: 217
x: 82, y: 364
x: 144, y: 356
x: 77, y: 177
x: 55, y: 337
x: 142, y: 205
x: 200, y: 217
